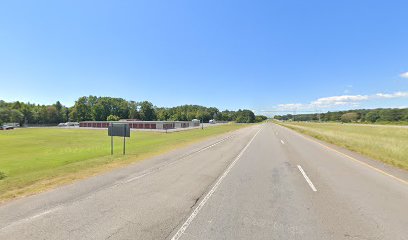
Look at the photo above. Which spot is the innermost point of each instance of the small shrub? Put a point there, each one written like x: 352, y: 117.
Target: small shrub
x: 113, y: 118
x: 2, y: 175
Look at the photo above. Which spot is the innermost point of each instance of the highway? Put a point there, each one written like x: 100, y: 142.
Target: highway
x: 260, y: 182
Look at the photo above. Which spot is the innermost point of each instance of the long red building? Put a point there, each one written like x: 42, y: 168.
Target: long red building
x: 142, y: 124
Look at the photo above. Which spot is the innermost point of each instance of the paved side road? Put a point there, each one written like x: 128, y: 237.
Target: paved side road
x: 262, y: 182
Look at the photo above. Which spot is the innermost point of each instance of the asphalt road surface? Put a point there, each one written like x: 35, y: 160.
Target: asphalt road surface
x: 260, y: 182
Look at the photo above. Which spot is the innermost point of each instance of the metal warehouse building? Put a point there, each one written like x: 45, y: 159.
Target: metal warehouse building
x: 142, y: 124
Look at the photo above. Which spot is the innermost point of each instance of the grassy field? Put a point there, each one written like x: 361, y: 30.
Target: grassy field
x: 389, y: 145
x: 36, y: 159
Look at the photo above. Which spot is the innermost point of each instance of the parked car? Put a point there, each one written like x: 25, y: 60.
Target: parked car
x: 62, y: 125
x: 72, y: 124
x: 6, y: 127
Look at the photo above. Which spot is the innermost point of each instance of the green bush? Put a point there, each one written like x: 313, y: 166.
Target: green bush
x: 2, y: 175
x: 113, y: 118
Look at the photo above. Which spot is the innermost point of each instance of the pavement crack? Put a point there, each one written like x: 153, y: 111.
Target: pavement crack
x: 114, y: 233
x: 195, y: 202
x: 355, y: 236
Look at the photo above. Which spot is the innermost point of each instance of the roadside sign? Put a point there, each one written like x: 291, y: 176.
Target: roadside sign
x: 120, y: 130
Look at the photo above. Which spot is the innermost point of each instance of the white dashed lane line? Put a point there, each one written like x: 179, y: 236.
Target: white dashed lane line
x: 307, y: 179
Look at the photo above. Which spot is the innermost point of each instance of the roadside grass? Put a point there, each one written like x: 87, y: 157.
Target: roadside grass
x: 36, y: 159
x: 383, y: 143
x: 382, y: 123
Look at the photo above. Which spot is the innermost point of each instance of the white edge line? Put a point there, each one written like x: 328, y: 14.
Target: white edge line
x: 210, y: 193
x: 123, y: 182
x: 31, y: 218
x: 342, y: 154
x: 307, y: 179
x: 221, y: 141
x: 137, y: 177
x: 155, y: 169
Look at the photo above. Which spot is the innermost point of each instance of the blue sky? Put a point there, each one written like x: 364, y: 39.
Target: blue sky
x: 261, y: 55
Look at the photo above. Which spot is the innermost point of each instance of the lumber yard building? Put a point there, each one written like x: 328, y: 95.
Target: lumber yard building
x: 136, y: 124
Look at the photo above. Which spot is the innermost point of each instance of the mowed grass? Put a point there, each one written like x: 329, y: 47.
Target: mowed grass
x: 384, y: 143
x: 36, y: 159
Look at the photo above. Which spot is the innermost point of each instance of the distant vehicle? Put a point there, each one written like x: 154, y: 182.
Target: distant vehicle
x: 212, y: 121
x: 69, y: 124
x: 6, y: 127
x: 12, y: 124
x: 72, y: 124
x: 195, y: 122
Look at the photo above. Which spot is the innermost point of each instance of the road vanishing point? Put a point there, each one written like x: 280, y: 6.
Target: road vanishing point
x: 259, y: 182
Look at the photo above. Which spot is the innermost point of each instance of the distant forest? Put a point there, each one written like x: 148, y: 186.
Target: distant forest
x: 94, y: 108
x: 380, y: 115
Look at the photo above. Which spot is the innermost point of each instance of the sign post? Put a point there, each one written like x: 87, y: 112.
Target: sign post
x: 124, y: 139
x: 111, y: 144
x: 120, y: 130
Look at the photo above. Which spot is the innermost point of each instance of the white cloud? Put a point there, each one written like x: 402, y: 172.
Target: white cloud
x: 404, y: 75
x: 392, y: 95
x: 336, y: 101
x: 290, y: 106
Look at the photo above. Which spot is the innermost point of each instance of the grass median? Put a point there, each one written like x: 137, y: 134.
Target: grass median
x: 36, y: 159
x: 383, y: 143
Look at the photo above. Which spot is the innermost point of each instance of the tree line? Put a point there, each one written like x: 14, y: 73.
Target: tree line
x: 92, y: 108
x: 19, y: 112
x: 380, y: 115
